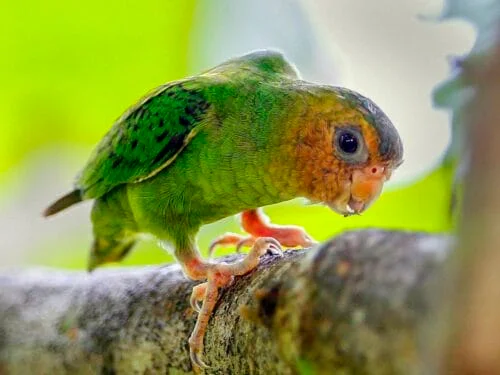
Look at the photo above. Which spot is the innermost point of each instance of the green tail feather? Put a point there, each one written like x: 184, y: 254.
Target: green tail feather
x: 64, y: 202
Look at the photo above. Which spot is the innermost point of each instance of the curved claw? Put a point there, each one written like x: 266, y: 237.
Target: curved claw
x: 227, y: 239
x: 272, y: 250
x: 197, y: 358
x: 273, y: 246
x: 197, y: 295
x: 211, y: 249
x: 193, y: 301
x: 247, y: 241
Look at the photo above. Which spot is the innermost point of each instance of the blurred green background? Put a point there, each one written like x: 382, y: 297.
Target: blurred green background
x: 69, y: 69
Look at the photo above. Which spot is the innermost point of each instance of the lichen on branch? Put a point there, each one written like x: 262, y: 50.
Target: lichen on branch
x: 351, y: 304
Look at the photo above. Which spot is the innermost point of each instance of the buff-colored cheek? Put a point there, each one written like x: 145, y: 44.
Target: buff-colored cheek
x: 320, y: 171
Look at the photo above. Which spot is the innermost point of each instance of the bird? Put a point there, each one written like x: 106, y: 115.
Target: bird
x: 235, y: 138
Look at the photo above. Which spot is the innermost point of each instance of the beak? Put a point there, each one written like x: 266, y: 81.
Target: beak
x: 366, y: 186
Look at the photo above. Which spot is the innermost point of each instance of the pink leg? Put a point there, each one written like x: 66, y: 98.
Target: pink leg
x: 256, y: 224
x: 218, y: 275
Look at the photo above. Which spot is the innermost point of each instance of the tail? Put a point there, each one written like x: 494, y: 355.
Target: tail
x: 64, y: 202
x: 107, y: 251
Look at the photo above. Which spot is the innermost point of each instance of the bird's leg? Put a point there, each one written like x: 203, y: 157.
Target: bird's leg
x: 218, y: 275
x: 257, y: 224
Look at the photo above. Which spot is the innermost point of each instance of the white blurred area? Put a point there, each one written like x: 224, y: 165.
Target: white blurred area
x: 393, y: 51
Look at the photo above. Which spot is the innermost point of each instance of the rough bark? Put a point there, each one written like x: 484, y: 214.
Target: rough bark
x: 351, y: 305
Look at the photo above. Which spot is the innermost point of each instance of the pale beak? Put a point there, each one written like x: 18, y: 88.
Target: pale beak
x: 366, y: 186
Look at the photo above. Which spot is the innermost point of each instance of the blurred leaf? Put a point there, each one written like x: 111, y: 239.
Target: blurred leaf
x: 455, y: 93
x: 73, y: 67
x: 450, y: 93
x: 483, y: 14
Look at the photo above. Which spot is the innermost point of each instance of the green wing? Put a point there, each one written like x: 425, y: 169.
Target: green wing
x: 146, y: 139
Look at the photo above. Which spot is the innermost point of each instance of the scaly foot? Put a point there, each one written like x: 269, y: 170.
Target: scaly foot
x: 256, y: 224
x: 220, y: 275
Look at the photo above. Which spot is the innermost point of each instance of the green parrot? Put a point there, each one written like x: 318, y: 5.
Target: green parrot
x: 245, y: 134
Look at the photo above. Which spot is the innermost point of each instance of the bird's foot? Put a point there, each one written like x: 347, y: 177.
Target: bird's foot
x: 256, y: 224
x: 220, y: 275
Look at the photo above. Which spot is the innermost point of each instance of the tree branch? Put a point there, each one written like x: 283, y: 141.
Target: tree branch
x: 351, y: 305
x: 469, y: 327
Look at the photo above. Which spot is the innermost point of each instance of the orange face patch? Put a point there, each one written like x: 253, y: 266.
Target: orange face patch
x: 319, y: 170
x: 323, y: 175
x: 308, y: 160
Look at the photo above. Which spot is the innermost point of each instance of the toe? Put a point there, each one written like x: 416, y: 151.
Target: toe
x: 247, y: 241
x: 197, y: 295
x: 272, y: 250
x: 270, y: 245
x: 227, y: 239
x: 195, y: 305
x: 308, y: 241
x: 197, y: 358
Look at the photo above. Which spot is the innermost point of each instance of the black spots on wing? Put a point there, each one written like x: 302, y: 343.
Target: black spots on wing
x: 177, y: 105
x: 145, y: 137
x: 184, y: 121
x: 116, y: 163
x: 193, y: 105
x: 195, y: 108
x: 161, y: 137
x: 116, y: 160
x: 185, y: 108
x: 175, y: 143
x: 190, y: 110
x: 157, y: 130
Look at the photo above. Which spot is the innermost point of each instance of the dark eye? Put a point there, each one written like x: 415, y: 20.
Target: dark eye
x: 348, y: 142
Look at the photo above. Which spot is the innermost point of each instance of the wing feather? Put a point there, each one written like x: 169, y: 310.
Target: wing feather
x: 146, y: 139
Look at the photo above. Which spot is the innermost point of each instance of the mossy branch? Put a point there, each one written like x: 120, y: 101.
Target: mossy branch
x: 351, y: 305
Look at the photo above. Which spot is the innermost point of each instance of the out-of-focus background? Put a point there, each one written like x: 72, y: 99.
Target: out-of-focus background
x: 69, y: 69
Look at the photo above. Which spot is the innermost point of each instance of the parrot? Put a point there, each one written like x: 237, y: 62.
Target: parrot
x: 243, y: 135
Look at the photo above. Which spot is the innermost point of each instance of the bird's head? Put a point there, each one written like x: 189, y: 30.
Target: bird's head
x: 346, y: 150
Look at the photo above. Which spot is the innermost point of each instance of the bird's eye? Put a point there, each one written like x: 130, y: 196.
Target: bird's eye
x: 348, y: 142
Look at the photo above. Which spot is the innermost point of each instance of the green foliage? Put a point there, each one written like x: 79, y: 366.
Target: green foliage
x: 70, y: 69
x: 455, y: 92
x: 483, y: 14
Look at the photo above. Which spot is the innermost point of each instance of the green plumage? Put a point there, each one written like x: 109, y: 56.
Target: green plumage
x: 190, y: 152
x: 245, y: 134
x: 146, y: 139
